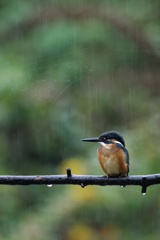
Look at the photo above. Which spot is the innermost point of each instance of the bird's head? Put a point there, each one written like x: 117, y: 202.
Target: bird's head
x: 106, y: 138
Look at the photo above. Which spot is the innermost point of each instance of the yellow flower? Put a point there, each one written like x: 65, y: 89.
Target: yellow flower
x: 79, y: 232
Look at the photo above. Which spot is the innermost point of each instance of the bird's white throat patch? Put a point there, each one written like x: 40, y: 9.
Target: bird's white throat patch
x: 103, y: 144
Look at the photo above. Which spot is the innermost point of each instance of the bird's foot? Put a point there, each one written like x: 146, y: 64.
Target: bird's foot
x: 119, y: 179
x: 107, y: 177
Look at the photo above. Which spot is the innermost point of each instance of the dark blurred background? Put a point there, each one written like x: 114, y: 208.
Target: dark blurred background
x: 71, y: 70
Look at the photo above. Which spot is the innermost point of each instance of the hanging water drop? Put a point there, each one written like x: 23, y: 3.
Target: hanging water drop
x: 49, y: 185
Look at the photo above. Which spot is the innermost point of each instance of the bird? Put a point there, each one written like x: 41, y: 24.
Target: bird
x: 112, y: 154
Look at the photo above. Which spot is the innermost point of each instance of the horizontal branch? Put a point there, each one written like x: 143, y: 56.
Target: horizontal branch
x: 82, y: 180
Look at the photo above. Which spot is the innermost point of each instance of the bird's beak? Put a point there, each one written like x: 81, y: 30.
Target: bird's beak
x: 92, y: 140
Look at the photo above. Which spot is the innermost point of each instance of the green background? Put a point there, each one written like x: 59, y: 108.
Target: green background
x: 71, y: 70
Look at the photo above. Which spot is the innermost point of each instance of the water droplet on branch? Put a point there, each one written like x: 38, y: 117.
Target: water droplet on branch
x: 49, y: 185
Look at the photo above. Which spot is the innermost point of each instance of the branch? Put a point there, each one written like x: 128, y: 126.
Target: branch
x: 82, y: 180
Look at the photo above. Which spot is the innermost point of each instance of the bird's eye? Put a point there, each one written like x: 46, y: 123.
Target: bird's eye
x: 103, y: 138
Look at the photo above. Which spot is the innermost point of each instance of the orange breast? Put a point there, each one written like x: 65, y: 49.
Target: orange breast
x: 112, y: 160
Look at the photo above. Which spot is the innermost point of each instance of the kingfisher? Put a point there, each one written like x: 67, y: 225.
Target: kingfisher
x: 112, y: 154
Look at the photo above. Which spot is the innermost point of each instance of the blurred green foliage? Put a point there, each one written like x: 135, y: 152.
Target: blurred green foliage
x: 71, y: 70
